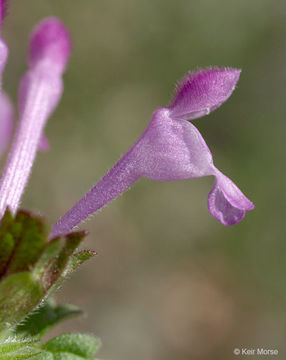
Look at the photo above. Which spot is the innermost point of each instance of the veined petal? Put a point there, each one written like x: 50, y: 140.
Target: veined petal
x: 6, y: 121
x: 39, y: 93
x: 226, y: 202
x: 203, y: 91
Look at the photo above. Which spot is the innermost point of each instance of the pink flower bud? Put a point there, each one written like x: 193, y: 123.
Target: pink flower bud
x: 39, y: 93
x: 50, y: 45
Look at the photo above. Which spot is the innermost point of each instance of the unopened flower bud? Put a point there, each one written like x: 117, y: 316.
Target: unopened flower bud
x: 50, y: 44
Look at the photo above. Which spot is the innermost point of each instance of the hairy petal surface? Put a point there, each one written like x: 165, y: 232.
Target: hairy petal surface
x: 117, y: 180
x: 201, y: 92
x: 6, y: 121
x: 167, y: 150
x: 39, y: 93
x: 171, y: 148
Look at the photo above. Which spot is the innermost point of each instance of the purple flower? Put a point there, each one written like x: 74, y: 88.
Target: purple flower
x: 6, y: 122
x: 3, y: 46
x: 39, y: 93
x: 171, y: 148
x: 6, y: 114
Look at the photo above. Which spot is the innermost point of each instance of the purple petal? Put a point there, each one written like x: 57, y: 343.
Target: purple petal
x: 39, y: 93
x: 172, y: 149
x: 3, y: 58
x: 6, y: 122
x: 167, y: 150
x: 226, y: 202
x: 201, y: 92
x: 117, y: 180
x: 50, y: 42
x: 3, y: 46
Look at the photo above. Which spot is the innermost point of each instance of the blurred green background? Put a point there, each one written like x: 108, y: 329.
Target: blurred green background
x: 169, y: 281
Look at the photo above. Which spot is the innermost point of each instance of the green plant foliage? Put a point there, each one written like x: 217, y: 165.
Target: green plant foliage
x: 32, y: 266
x: 45, y: 317
x: 22, y: 240
x: 19, y: 294
x: 62, y: 347
x: 43, y: 356
x: 77, y: 259
x: 81, y: 345
x: 16, y: 348
x: 30, y: 234
x: 55, y: 268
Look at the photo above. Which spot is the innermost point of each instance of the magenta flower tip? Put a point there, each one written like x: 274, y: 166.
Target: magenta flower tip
x: 201, y: 92
x: 50, y: 43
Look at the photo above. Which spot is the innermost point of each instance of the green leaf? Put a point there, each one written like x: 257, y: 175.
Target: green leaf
x: 43, y: 356
x: 6, y: 241
x: 52, y: 250
x: 19, y: 295
x: 45, y: 317
x: 22, y: 240
x: 80, y: 345
x: 16, y: 348
x: 30, y: 241
x: 63, y: 347
x: 32, y: 267
x: 58, y: 264
x: 66, y: 356
x: 77, y: 259
x: 13, y: 345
